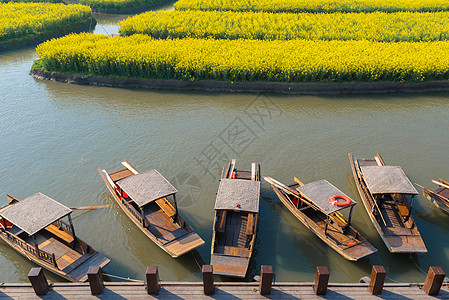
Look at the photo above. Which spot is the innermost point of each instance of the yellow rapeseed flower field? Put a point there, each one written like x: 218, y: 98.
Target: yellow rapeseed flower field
x: 327, y: 6
x: 246, y: 60
x: 18, y: 20
x: 377, y: 26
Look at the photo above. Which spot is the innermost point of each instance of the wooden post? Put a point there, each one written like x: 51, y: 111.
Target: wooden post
x: 376, y: 283
x: 266, y: 278
x: 327, y: 224
x: 71, y: 225
x: 95, y: 280
x: 38, y: 281
x: 434, y: 280
x: 54, y: 260
x: 152, y: 276
x: 175, y: 218
x: 350, y: 216
x: 208, y: 280
x: 36, y: 247
x: 321, y: 280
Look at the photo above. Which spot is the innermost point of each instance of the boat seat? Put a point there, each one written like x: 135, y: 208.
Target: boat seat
x: 250, y: 224
x: 221, y: 222
x: 166, y: 208
x: 65, y: 236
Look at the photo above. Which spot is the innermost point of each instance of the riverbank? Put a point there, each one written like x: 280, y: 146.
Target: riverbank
x: 246, y: 87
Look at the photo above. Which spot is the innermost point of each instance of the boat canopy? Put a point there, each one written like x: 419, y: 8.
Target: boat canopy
x: 238, y: 194
x: 319, y: 193
x: 146, y: 187
x: 34, y: 213
x: 387, y: 180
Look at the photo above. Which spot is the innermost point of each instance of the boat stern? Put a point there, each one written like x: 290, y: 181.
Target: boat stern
x: 229, y: 265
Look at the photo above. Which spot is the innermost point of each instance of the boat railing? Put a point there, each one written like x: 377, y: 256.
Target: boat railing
x: 132, y: 210
x: 64, y: 226
x: 42, y: 255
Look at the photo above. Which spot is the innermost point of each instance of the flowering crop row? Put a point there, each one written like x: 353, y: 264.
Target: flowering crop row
x: 34, y: 20
x: 315, y: 5
x: 245, y: 60
x: 377, y: 26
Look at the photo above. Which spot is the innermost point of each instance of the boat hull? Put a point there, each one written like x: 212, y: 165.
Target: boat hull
x: 174, y: 248
x: 353, y: 253
x: 100, y: 261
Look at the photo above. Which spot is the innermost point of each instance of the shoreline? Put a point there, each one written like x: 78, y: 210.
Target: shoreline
x: 300, y: 88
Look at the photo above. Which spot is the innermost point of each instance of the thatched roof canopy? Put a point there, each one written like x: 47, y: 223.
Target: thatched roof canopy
x: 387, y: 180
x: 34, y: 213
x: 238, y: 194
x: 146, y: 187
x: 319, y: 193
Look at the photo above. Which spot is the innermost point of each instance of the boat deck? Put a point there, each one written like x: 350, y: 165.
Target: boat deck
x: 234, y: 235
x: 161, y: 226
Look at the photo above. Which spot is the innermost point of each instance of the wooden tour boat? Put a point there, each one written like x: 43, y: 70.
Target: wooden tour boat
x: 34, y: 228
x: 388, y: 195
x: 149, y: 200
x: 310, y: 203
x: 236, y: 218
x: 440, y: 196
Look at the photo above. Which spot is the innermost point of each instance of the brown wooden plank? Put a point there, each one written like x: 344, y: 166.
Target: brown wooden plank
x: 65, y: 236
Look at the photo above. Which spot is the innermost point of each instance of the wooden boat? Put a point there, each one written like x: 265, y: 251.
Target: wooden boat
x: 388, y: 194
x: 149, y: 200
x: 34, y: 228
x: 440, y: 196
x: 236, y: 218
x: 310, y: 203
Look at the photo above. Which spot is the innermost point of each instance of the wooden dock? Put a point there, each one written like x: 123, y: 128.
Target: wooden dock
x: 225, y: 290
x: 152, y: 288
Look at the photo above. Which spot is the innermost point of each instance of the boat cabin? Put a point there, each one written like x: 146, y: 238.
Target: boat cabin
x: 35, y: 228
x: 320, y: 194
x: 36, y: 213
x: 137, y: 192
x: 390, y: 184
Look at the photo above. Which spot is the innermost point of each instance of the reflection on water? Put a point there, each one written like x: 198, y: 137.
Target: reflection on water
x: 55, y: 136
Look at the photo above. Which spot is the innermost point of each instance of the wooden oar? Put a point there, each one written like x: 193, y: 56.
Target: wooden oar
x: 440, y: 184
x: 280, y: 185
x: 129, y: 167
x: 289, y: 191
x: 298, y: 181
x: 90, y: 207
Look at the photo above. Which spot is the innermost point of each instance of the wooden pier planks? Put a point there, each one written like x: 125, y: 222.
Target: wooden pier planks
x: 227, y: 290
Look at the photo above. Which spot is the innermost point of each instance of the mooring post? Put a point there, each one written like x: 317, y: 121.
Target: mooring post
x: 38, y: 281
x: 376, y: 283
x: 95, y: 280
x: 266, y: 279
x: 321, y: 280
x: 434, y: 280
x: 208, y: 280
x: 152, y: 280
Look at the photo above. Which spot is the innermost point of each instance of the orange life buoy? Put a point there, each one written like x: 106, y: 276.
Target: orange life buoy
x: 334, y: 201
x: 233, y: 175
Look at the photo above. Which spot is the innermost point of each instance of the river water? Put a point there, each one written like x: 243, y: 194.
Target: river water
x: 55, y: 136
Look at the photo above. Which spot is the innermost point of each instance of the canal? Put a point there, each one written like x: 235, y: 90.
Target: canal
x: 54, y: 136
